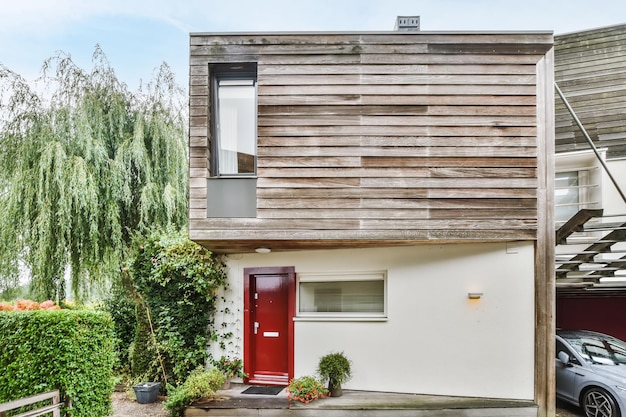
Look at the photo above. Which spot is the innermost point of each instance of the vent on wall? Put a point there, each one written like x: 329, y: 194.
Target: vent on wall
x: 407, y: 23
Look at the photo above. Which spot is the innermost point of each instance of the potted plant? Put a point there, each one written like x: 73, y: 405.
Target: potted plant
x: 230, y: 368
x: 334, y: 368
x: 306, y: 389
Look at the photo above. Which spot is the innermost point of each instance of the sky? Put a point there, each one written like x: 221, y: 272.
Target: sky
x: 137, y: 36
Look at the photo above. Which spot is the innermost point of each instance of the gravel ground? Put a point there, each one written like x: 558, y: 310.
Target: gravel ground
x: 124, y: 407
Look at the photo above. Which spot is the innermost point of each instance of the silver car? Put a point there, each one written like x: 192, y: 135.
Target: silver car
x: 591, y: 372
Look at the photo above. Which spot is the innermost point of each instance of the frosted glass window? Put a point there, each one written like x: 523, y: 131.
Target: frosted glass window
x: 566, y: 195
x: 236, y: 126
x: 342, y: 296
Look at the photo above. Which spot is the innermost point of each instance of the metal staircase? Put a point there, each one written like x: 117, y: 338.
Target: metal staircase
x: 590, y: 253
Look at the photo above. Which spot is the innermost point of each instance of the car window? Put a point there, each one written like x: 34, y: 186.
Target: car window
x: 619, y: 352
x: 560, y: 347
x: 598, y: 349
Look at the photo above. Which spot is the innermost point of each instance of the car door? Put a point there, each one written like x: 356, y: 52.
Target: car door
x: 566, y: 374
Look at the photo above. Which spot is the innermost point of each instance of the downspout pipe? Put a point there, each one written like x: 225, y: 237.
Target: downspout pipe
x: 593, y: 147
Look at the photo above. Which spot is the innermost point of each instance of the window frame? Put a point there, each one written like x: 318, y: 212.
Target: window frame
x: 588, y: 170
x: 230, y: 72
x: 341, y: 277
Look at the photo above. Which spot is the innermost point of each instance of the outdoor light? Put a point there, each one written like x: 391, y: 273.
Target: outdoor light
x: 474, y: 295
x: 262, y: 250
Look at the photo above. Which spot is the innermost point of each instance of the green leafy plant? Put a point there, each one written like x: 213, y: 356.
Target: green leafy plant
x: 121, y: 306
x: 68, y: 350
x: 200, y: 384
x: 334, y: 368
x: 306, y: 389
x: 172, y: 276
x: 230, y: 367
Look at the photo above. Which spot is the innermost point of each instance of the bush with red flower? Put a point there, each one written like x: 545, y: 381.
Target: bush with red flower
x: 306, y: 389
x: 28, y: 305
x: 230, y: 367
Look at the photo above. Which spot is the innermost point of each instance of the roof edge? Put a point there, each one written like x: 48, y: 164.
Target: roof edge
x: 387, y: 32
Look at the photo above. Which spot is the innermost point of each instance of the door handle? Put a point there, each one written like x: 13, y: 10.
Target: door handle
x: 256, y: 327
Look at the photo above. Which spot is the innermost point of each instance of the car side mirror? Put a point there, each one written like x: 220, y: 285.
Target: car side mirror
x: 564, y: 358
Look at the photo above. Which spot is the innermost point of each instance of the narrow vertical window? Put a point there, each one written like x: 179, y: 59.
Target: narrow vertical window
x: 231, y: 186
x: 236, y: 126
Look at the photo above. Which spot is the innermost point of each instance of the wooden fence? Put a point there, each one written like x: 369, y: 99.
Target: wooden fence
x: 54, y: 408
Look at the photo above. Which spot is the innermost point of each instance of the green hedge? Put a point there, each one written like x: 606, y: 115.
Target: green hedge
x: 69, y: 350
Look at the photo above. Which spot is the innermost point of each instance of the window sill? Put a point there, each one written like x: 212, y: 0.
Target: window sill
x: 339, y: 318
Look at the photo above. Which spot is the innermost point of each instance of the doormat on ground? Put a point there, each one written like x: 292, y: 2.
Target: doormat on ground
x: 273, y: 390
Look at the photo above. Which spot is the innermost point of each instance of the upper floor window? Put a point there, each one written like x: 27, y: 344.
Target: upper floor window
x: 577, y: 184
x: 568, y: 194
x: 235, y: 115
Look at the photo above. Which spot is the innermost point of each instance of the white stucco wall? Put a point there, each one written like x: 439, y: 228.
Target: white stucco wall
x: 435, y: 340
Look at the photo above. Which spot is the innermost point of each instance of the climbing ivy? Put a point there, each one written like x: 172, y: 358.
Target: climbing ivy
x: 176, y: 283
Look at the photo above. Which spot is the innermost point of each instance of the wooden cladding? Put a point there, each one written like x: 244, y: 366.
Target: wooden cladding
x: 378, y: 139
x: 590, y: 69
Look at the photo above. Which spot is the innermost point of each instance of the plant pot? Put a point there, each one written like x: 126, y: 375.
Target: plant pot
x: 226, y: 384
x: 146, y: 392
x: 335, y: 390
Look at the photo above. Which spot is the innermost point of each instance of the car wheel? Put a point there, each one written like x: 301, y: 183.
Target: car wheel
x: 596, y: 402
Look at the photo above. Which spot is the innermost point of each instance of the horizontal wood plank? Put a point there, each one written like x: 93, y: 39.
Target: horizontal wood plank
x: 377, y: 202
x: 360, y: 130
x: 384, y: 69
x: 384, y: 98
x: 389, y: 172
x: 398, y: 193
x: 399, y: 79
x: 396, y: 213
x: 381, y: 152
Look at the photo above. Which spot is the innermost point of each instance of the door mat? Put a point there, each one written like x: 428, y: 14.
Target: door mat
x: 273, y: 390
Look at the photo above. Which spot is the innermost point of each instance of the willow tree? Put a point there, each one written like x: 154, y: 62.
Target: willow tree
x: 84, y: 165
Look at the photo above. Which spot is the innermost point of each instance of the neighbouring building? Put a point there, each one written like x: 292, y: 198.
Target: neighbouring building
x: 590, y: 213
x: 388, y: 195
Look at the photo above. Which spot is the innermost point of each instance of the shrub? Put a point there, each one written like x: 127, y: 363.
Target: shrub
x: 121, y: 306
x: 199, y: 384
x: 28, y: 305
x: 334, y: 368
x: 306, y: 389
x: 71, y: 351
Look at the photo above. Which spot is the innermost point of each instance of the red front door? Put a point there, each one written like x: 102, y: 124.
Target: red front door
x: 268, y: 320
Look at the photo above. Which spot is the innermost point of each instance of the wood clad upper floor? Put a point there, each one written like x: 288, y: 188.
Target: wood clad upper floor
x: 590, y: 69
x: 371, y: 139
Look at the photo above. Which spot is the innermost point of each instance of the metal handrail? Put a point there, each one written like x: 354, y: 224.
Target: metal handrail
x: 593, y: 147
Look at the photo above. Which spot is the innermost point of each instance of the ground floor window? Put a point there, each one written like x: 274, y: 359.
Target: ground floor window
x: 342, y: 295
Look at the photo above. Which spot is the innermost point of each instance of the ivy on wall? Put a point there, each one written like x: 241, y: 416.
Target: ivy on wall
x: 176, y: 284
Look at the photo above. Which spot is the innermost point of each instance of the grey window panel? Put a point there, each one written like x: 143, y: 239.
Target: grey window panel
x: 231, y: 197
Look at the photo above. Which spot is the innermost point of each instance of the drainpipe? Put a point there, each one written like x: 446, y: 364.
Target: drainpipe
x: 595, y: 150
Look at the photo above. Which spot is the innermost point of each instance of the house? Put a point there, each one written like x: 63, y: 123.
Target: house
x: 590, y: 213
x: 385, y: 194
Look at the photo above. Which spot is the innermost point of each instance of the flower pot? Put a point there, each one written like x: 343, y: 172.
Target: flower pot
x: 226, y: 384
x: 146, y: 392
x: 335, y: 390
